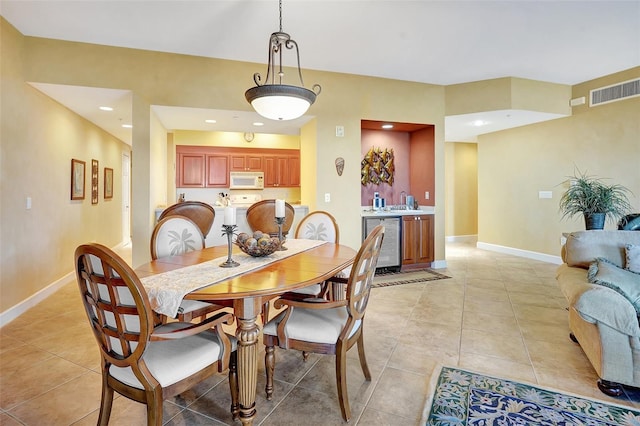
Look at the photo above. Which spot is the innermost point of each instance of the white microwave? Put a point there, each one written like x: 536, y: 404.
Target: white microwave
x: 246, y: 180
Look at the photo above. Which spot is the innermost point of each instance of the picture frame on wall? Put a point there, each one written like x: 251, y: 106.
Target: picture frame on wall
x: 108, y: 183
x: 94, y: 181
x: 77, y: 179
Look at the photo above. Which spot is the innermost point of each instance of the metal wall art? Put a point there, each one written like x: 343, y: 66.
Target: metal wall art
x: 377, y: 167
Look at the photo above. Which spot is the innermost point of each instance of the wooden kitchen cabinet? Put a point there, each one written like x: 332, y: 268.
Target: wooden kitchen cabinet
x: 281, y: 170
x: 217, y: 172
x: 201, y: 170
x: 417, y: 240
x: 190, y: 170
x: 245, y: 163
x: 209, y: 167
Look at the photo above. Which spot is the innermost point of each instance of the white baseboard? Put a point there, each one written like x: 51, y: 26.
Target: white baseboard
x: 15, y: 311
x: 461, y: 238
x: 557, y: 260
x: 439, y: 264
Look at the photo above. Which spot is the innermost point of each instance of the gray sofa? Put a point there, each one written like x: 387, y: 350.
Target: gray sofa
x: 602, y: 320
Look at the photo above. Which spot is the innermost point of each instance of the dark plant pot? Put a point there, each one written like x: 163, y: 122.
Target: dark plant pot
x: 594, y: 220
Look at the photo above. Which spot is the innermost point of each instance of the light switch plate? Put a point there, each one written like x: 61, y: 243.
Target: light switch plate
x: 327, y: 197
x: 340, y: 131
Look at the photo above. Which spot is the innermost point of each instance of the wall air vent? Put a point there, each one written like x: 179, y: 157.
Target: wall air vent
x: 615, y: 92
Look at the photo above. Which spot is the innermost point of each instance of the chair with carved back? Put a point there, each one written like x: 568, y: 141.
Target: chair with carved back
x: 200, y: 213
x: 175, y: 235
x: 141, y: 362
x: 261, y: 216
x: 327, y: 327
x: 320, y: 225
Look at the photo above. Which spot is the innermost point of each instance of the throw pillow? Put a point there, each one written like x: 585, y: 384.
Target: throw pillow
x: 627, y: 283
x: 632, y: 254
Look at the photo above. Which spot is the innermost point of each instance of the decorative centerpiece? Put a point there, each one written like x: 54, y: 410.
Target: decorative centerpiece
x: 257, y: 244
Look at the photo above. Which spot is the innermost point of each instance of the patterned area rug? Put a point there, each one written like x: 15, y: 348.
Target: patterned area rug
x: 386, y: 279
x: 465, y: 398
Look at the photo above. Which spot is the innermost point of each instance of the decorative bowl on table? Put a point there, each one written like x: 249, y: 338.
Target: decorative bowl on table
x: 257, y: 244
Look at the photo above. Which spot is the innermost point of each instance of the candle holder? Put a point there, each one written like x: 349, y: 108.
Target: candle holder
x: 229, y: 230
x: 280, y: 222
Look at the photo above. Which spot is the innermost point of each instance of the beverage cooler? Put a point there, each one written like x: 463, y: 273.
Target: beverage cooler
x: 390, y: 252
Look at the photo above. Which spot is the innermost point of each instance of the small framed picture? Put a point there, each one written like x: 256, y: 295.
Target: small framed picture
x: 77, y: 179
x: 94, y: 181
x: 108, y: 183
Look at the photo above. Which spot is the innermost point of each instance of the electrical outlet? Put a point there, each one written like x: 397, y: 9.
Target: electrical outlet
x: 327, y: 198
x: 28, y: 203
x: 426, y: 195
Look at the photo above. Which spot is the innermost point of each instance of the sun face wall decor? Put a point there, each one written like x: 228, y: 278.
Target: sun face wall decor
x: 377, y: 167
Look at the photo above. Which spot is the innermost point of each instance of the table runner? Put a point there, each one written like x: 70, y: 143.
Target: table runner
x: 166, y: 290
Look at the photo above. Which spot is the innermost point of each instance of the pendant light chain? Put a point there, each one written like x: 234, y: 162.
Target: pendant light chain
x: 272, y: 98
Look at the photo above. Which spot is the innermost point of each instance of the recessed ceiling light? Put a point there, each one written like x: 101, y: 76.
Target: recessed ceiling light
x: 387, y: 126
x: 127, y: 126
x: 210, y: 121
x: 258, y: 123
x: 106, y: 108
x: 479, y: 123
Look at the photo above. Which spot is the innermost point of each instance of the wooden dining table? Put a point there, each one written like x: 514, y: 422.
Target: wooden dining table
x: 249, y: 290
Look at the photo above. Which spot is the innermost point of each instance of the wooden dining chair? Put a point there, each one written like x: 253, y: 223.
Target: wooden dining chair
x: 175, y: 235
x: 140, y: 362
x: 328, y: 327
x: 320, y: 225
x: 202, y: 214
x: 261, y: 216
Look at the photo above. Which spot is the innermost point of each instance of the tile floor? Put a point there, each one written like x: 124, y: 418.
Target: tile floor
x: 498, y: 314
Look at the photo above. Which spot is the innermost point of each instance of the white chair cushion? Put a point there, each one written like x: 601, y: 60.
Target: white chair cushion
x: 172, y: 360
x: 188, y: 305
x: 312, y: 325
x: 311, y: 290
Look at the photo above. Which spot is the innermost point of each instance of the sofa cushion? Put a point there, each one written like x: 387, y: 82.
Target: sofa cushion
x: 632, y: 254
x: 583, y: 247
x: 627, y: 283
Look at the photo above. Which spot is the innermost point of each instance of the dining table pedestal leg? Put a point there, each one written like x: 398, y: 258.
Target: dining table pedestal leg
x: 247, y: 332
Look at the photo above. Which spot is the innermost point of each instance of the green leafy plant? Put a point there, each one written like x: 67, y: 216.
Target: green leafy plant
x: 588, y: 195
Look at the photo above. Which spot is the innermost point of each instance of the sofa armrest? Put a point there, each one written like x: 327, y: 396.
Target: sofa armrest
x: 596, y: 303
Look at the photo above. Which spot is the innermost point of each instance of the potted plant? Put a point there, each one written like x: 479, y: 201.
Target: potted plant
x: 595, y: 200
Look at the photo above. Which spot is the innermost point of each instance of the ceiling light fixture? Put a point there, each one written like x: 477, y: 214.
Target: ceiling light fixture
x: 387, y: 126
x: 106, y: 108
x: 210, y: 121
x: 275, y: 100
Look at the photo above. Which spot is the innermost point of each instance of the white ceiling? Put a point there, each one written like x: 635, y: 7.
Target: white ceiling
x: 439, y: 42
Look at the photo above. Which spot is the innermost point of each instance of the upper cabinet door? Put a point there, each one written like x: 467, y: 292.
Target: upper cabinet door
x: 243, y: 163
x: 217, y: 171
x: 191, y: 170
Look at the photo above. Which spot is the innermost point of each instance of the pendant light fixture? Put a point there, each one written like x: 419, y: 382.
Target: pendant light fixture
x: 273, y: 99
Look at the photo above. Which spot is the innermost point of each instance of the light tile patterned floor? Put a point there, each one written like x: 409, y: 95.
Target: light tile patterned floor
x: 498, y: 314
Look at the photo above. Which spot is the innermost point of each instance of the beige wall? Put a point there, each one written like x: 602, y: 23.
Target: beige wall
x: 513, y: 165
x: 461, y: 189
x: 507, y: 93
x: 39, y: 137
